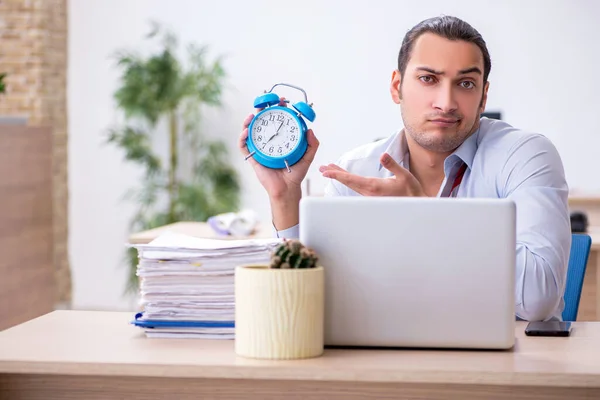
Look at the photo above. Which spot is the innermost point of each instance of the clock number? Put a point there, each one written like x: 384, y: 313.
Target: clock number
x: 280, y: 118
x: 258, y: 128
x: 264, y: 122
x: 271, y: 117
x: 288, y: 121
x: 287, y: 145
x: 271, y: 149
x: 292, y: 129
x: 259, y: 138
x: 280, y: 150
x: 292, y: 138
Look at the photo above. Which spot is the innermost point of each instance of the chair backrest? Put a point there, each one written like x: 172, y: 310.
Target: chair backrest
x: 580, y: 251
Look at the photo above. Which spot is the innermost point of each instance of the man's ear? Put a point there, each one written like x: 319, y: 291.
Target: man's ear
x: 395, y: 87
x: 484, y: 97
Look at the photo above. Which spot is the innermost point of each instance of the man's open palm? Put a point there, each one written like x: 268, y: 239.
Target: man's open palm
x: 402, y: 183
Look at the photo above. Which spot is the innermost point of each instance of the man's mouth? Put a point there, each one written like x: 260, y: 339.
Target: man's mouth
x: 445, y: 122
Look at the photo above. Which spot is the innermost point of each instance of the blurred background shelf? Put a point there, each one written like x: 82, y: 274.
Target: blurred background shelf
x: 27, y: 281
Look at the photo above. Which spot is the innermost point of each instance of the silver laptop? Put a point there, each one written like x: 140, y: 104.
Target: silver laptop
x: 415, y: 272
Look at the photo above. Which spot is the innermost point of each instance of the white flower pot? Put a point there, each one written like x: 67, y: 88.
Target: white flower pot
x: 279, y: 313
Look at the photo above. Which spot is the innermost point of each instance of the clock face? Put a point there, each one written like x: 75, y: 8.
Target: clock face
x: 275, y: 133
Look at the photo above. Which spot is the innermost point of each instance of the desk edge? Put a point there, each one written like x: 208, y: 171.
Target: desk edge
x: 304, y: 374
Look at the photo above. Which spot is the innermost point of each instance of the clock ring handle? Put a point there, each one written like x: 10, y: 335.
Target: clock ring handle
x: 292, y: 86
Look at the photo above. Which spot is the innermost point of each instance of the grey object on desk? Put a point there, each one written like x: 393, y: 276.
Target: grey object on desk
x: 12, y: 120
x: 492, y: 114
x: 579, y: 222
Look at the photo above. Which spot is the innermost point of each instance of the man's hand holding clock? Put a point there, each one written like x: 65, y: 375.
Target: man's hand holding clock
x: 283, y: 187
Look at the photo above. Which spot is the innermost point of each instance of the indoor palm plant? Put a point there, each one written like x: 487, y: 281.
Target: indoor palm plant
x: 2, y: 84
x: 195, y: 181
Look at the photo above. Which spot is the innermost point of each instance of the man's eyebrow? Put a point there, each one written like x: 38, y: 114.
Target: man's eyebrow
x: 469, y: 70
x: 430, y: 70
x: 461, y: 72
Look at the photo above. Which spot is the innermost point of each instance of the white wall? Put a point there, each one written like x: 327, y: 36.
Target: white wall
x: 544, y: 55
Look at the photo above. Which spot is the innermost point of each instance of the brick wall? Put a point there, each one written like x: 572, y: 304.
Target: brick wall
x: 33, y: 52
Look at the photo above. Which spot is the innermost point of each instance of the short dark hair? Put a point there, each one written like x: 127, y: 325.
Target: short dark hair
x: 448, y: 27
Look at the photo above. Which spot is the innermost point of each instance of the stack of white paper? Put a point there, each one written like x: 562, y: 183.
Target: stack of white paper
x: 187, y: 283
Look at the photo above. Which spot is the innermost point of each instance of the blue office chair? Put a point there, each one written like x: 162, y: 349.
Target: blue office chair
x: 580, y: 251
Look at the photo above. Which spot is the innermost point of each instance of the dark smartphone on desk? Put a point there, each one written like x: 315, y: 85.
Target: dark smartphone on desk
x: 548, y: 328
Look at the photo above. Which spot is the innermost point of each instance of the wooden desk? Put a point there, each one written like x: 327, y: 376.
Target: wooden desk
x: 589, y: 305
x: 98, y: 355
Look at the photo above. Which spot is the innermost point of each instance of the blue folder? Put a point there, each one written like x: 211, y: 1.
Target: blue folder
x: 180, y: 324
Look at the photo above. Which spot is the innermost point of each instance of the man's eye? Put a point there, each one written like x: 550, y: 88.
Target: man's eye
x: 426, y: 79
x: 467, y: 84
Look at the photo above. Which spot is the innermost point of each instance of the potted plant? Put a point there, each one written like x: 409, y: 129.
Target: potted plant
x: 162, y: 97
x: 279, y: 307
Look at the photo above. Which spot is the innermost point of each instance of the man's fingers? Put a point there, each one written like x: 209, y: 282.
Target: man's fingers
x: 337, y: 167
x: 244, y: 148
x: 402, y: 184
x: 313, y: 145
x: 402, y: 176
x: 311, y: 139
x: 330, y: 167
x: 242, y: 142
x: 359, y: 184
x: 247, y: 120
x: 391, y: 165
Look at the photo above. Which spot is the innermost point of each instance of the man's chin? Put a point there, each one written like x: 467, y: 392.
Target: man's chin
x: 439, y: 135
x: 439, y: 141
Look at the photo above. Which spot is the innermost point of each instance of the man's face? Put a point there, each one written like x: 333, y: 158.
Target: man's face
x: 441, y: 94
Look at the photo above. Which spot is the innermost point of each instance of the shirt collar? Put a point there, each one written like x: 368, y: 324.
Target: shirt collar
x: 466, y: 151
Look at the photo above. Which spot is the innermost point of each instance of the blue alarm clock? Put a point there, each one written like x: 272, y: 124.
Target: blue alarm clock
x: 277, y: 134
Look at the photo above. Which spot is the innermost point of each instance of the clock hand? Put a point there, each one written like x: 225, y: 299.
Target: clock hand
x: 271, y: 138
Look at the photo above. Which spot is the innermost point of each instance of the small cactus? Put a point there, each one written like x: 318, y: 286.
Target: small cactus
x: 293, y: 254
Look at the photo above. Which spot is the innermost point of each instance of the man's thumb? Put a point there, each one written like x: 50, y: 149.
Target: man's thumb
x: 391, y: 165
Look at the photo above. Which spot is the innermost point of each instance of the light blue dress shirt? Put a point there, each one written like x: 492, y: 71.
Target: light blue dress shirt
x: 502, y: 162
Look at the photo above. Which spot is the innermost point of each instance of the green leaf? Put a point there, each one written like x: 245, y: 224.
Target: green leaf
x: 150, y: 87
x: 136, y: 144
x: 161, y: 87
x: 2, y: 84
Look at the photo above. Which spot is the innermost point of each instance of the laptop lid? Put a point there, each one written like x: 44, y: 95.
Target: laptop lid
x: 415, y: 272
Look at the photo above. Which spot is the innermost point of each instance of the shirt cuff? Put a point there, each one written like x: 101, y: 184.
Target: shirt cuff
x: 289, y: 233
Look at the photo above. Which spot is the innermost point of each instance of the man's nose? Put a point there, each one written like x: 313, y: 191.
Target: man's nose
x: 445, y: 99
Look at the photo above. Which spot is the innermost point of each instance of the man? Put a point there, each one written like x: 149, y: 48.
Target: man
x: 445, y: 149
